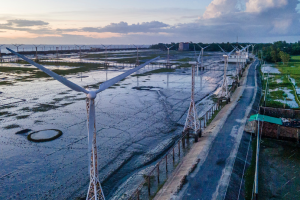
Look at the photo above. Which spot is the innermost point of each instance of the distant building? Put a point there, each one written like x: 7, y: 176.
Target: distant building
x: 242, y: 58
x: 184, y: 46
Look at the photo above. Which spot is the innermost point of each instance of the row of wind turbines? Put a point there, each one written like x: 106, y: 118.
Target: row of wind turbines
x: 95, y: 190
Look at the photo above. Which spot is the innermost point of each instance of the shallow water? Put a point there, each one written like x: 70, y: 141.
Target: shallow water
x: 133, y: 128
x: 270, y: 69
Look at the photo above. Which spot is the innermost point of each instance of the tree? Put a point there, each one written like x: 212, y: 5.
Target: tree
x: 274, y: 56
x: 285, y: 58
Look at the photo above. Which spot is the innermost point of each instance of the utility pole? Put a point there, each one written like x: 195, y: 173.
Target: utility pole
x: 57, y: 53
x: 257, y: 160
x: 266, y: 90
x: 0, y: 53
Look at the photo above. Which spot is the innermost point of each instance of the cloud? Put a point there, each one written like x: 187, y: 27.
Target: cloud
x: 24, y: 23
x: 124, y: 27
x: 223, y: 20
x: 259, y: 5
x: 250, y: 19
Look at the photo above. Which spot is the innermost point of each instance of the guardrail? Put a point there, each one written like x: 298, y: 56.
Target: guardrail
x: 156, y: 178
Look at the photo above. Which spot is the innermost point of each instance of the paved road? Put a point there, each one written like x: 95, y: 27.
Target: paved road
x: 205, y: 183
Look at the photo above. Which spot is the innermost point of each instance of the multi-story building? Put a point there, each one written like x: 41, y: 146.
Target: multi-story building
x: 184, y: 46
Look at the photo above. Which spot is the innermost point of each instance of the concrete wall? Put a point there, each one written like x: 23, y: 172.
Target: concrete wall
x: 278, y: 132
x: 280, y: 113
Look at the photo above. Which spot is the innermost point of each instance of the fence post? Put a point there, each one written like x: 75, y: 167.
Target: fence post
x: 200, y: 123
x: 179, y: 149
x: 167, y: 163
x: 158, y: 173
x: 138, y: 195
x: 173, y: 156
x: 149, y: 185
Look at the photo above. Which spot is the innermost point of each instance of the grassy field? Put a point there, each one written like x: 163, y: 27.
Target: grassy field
x: 279, y: 84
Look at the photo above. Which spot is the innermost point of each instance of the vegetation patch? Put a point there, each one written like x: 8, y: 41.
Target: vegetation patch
x: 22, y: 116
x: 23, y: 131
x: 11, y: 126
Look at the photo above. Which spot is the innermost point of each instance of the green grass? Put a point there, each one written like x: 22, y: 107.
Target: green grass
x: 295, y: 59
x: 213, y: 116
x: 288, y: 69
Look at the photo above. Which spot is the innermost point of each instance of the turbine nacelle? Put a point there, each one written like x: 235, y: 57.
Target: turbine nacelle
x: 92, y: 95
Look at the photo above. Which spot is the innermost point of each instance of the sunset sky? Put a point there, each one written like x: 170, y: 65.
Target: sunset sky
x: 148, y: 22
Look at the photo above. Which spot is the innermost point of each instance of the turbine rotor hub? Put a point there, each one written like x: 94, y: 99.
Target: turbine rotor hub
x: 91, y: 95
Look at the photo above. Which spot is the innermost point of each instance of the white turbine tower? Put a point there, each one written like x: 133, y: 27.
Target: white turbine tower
x: 106, y: 53
x: 202, y: 53
x: 36, y: 50
x: 137, y: 63
x: 168, y: 58
x: 95, y: 191
x: 224, y: 92
x: 197, y: 60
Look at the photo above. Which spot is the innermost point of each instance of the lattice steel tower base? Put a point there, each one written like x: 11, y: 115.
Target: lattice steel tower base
x: 192, y: 122
x: 224, y: 92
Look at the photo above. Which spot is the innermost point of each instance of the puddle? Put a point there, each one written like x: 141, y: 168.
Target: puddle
x: 44, y: 135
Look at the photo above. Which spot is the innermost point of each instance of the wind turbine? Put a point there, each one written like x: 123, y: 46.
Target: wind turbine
x: 79, y: 50
x: 168, y: 59
x: 197, y: 60
x: 238, y: 67
x: 18, y: 45
x: 137, y: 55
x: 36, y: 55
x: 106, y: 53
x: 225, y: 84
x: 202, y: 53
x: 95, y: 191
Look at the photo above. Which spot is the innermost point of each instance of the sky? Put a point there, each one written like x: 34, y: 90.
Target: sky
x: 148, y: 22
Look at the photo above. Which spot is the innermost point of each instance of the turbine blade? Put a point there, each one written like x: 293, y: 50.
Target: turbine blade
x: 199, y: 46
x: 231, y: 52
x: 206, y: 47
x: 221, y: 49
x: 61, y: 79
x: 171, y: 47
x: 116, y: 79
